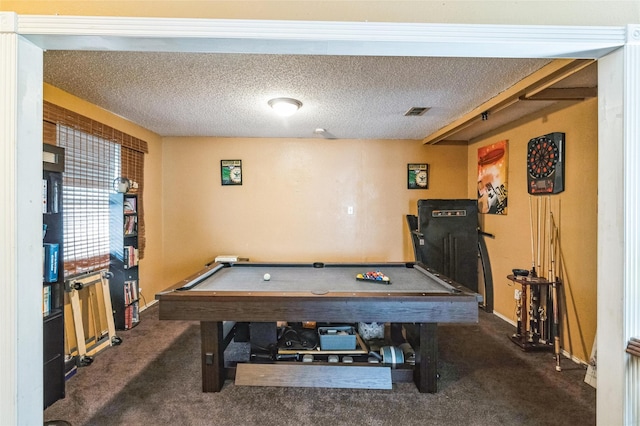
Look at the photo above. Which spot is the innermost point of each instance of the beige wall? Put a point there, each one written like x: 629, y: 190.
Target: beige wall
x: 292, y: 205
x: 151, y: 271
x: 432, y: 11
x: 575, y: 211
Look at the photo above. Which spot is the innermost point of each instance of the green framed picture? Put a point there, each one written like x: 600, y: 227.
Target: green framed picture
x: 417, y: 176
x: 231, y: 172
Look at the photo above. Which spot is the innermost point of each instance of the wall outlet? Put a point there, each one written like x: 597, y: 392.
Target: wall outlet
x: 350, y: 210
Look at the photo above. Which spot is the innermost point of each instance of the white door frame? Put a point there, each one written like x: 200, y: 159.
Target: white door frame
x: 24, y: 37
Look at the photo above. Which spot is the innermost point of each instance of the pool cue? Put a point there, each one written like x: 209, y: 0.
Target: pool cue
x: 532, y: 321
x: 550, y: 271
x: 519, y: 327
x: 533, y: 253
x: 542, y: 313
x: 535, y: 291
x: 538, y: 206
x: 554, y: 298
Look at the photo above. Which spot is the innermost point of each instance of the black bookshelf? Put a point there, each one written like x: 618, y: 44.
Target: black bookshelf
x: 124, y: 282
x: 52, y: 274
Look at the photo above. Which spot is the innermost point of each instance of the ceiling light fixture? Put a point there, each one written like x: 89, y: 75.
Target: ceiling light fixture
x: 285, y: 107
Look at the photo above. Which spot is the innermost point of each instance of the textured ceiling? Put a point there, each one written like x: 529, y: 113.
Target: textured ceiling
x: 352, y: 97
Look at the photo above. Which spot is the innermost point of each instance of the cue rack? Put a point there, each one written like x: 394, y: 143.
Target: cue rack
x: 537, y: 300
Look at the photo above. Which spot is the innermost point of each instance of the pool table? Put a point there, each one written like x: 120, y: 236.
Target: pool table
x: 322, y: 292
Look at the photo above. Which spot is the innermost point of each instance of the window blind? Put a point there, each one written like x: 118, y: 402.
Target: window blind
x: 95, y: 154
x: 91, y: 165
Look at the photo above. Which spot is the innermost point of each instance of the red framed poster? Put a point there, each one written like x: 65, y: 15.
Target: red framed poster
x: 493, y: 161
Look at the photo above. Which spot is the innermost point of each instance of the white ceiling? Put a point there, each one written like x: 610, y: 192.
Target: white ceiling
x: 352, y: 97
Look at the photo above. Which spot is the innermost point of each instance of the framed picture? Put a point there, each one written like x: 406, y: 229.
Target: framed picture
x: 417, y: 176
x: 231, y: 172
x: 493, y: 165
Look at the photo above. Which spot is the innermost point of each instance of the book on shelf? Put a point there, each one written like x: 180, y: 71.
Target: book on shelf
x: 125, y: 256
x: 51, y: 251
x: 128, y: 315
x: 131, y: 316
x: 134, y: 290
x: 127, y: 294
x: 130, y: 291
x: 45, y: 196
x: 130, y: 223
x: 51, y: 196
x: 46, y: 300
x: 135, y: 313
x: 131, y: 257
x: 55, y: 196
x: 129, y: 205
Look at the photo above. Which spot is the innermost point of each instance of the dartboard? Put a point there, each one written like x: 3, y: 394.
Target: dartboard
x: 545, y: 164
x: 542, y: 157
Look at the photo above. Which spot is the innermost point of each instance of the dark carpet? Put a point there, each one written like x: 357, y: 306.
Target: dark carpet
x: 153, y: 378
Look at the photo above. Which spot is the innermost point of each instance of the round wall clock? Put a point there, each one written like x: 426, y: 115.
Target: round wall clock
x: 545, y: 164
x: 236, y: 174
x: 421, y: 178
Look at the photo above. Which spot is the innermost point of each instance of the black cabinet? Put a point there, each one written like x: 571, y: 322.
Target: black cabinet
x: 52, y: 274
x: 123, y: 262
x: 54, y: 366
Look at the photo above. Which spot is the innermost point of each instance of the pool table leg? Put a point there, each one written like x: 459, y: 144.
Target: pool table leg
x: 212, y: 351
x: 426, y: 371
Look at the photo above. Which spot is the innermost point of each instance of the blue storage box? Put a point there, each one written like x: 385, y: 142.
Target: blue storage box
x: 338, y: 338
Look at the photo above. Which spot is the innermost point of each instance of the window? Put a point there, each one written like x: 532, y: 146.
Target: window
x: 95, y: 154
x: 91, y: 165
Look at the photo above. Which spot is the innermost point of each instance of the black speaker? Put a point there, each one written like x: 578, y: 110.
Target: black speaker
x: 449, y: 241
x: 263, y: 335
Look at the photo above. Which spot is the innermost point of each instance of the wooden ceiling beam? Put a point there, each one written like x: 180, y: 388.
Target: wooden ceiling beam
x: 563, y: 94
x: 535, y: 83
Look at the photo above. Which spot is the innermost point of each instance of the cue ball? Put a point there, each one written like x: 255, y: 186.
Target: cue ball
x: 267, y: 277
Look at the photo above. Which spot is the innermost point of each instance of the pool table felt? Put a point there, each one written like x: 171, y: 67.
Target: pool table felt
x: 321, y: 280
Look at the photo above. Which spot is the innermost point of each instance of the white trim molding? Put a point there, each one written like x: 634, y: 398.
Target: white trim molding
x: 21, y: 388
x: 319, y: 37
x: 631, y: 129
x: 8, y: 22
x: 9, y: 299
x: 618, y: 232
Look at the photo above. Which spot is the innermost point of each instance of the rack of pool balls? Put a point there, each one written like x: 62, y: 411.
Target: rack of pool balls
x: 376, y: 276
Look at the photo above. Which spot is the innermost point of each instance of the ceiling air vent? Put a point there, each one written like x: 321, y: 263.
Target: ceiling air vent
x: 416, y: 111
